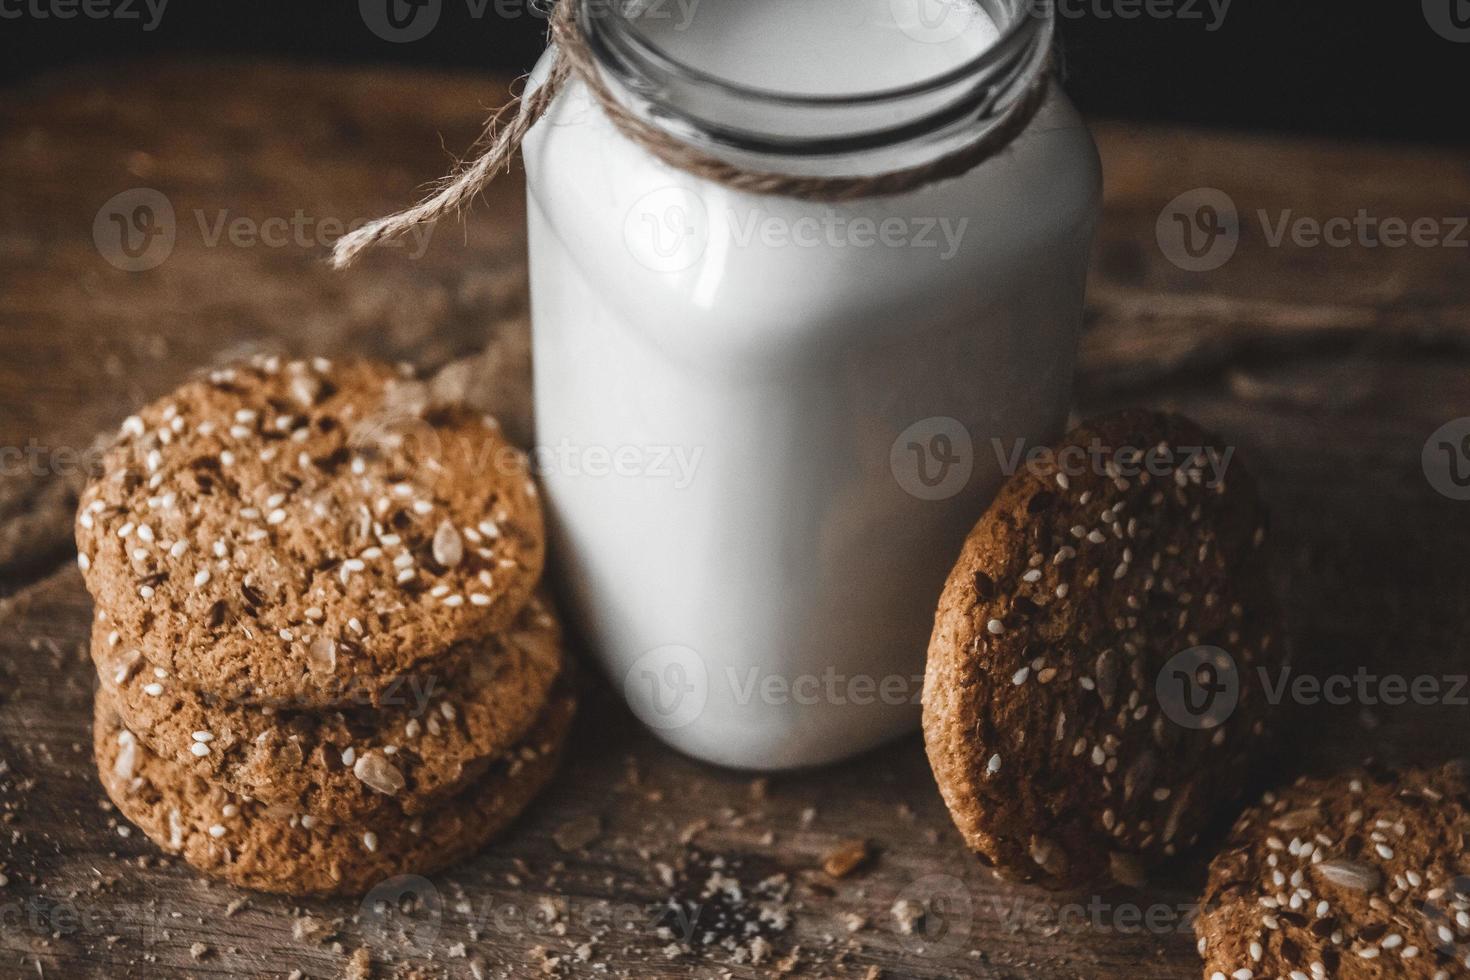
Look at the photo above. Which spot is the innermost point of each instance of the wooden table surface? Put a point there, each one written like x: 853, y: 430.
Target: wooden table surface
x: 1329, y: 366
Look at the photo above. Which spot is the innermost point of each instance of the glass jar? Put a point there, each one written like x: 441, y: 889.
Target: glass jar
x: 766, y: 424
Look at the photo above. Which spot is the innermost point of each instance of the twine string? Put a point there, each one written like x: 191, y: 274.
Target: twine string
x: 574, y: 58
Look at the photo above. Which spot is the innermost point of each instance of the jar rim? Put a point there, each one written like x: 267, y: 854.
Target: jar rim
x: 1015, y: 19
x: 973, y: 92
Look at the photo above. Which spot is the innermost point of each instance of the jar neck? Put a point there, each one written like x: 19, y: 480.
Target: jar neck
x: 842, y: 130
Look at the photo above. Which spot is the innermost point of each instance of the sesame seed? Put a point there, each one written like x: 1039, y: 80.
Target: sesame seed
x: 199, y: 749
x: 370, y: 841
x: 993, y: 766
x: 201, y: 577
x: 217, y: 831
x: 995, y: 627
x: 153, y: 690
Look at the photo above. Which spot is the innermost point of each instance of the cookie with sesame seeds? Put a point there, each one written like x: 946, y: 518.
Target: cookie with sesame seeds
x: 435, y: 731
x: 1073, y: 708
x: 294, y: 533
x: 243, y: 842
x: 1364, y: 875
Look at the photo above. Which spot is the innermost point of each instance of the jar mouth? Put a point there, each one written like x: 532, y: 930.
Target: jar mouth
x: 705, y: 108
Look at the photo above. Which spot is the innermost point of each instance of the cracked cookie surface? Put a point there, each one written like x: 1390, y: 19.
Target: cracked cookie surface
x: 1114, y: 579
x: 1363, y: 875
x: 300, y: 533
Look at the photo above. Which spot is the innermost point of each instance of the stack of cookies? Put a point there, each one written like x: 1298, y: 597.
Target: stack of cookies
x: 322, y: 658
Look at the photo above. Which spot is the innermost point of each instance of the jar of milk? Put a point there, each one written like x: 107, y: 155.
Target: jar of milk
x: 765, y: 422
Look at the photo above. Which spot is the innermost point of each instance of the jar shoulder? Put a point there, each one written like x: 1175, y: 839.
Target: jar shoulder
x: 667, y: 248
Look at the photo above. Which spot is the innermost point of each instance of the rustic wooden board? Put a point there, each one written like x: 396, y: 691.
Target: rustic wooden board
x: 1328, y: 367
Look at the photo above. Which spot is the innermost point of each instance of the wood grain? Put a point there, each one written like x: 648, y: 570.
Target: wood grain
x: 1329, y: 368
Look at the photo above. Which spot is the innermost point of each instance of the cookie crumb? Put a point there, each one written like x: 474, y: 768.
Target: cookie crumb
x: 846, y: 858
x: 577, y: 833
x: 360, y: 965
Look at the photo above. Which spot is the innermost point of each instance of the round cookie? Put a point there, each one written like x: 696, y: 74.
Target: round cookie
x: 437, y: 730
x: 1057, y: 715
x: 295, y: 533
x: 230, y: 837
x: 1360, y: 876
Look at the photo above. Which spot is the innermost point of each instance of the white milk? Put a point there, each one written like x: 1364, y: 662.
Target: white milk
x: 754, y: 411
x: 818, y: 47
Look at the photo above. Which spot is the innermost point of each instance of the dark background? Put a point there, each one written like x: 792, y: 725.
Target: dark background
x: 1374, y: 70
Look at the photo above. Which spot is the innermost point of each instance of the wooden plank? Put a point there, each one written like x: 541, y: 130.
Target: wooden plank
x: 1327, y: 367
